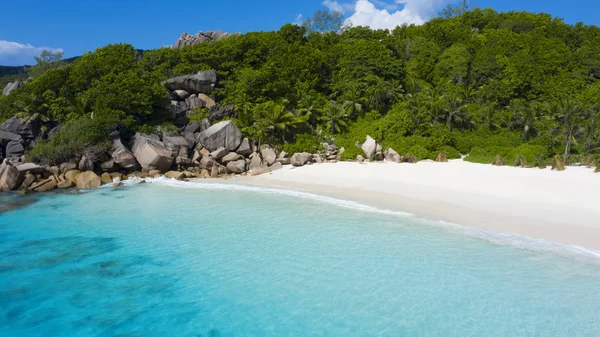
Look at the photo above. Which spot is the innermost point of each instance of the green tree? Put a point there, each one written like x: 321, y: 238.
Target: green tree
x: 335, y: 117
x: 569, y: 114
x: 324, y: 21
x: 46, y: 61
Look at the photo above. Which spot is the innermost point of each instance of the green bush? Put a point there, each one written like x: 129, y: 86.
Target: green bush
x: 485, y: 155
x: 304, y: 142
x: 418, y: 151
x: 82, y: 136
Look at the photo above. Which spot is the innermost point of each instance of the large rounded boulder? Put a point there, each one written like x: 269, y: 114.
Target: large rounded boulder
x: 203, y: 82
x: 86, y: 180
x: 9, y: 176
x: 151, y: 153
x: 122, y: 156
x: 224, y: 134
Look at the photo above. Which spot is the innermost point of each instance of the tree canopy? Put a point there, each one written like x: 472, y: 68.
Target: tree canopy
x: 474, y: 81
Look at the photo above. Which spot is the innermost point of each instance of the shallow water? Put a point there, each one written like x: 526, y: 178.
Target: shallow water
x: 175, y: 259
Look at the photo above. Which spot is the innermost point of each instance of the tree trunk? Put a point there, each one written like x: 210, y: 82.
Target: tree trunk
x: 567, y: 148
x: 449, y: 123
x: 526, y: 133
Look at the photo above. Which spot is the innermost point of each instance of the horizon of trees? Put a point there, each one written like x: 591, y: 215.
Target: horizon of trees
x: 475, y: 82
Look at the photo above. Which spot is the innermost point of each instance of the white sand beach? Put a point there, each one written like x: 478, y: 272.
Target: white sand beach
x: 557, y: 206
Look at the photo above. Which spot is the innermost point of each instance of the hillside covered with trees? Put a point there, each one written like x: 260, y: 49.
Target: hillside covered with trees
x: 519, y: 85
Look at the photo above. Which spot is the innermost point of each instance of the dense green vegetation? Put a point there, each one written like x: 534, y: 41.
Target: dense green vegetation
x: 517, y: 84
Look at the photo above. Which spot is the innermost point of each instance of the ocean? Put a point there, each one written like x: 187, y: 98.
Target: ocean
x: 171, y: 258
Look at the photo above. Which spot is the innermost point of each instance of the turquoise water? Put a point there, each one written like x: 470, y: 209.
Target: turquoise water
x: 175, y: 259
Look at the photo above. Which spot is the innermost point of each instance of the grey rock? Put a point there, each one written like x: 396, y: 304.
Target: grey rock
x: 109, y: 166
x: 190, y: 138
x: 12, y: 86
x: 193, y: 102
x: 193, y: 127
x: 237, y: 166
x: 9, y: 176
x: 369, y: 147
x: 219, y: 153
x: 276, y: 166
x: 255, y: 162
x: 224, y: 134
x: 86, y: 164
x: 219, y: 113
x: 392, y: 156
x: 181, y: 94
x: 6, y: 137
x: 183, y: 161
x: 14, y: 149
x: 245, y: 148
x: 66, y: 167
x: 232, y: 156
x: 30, y: 168
x: 207, y: 163
x: 177, y: 145
x: 27, y: 130
x: 208, y: 36
x: 203, y: 82
x: 122, y: 156
x: 260, y: 170
x: 151, y: 153
x: 268, y: 154
x: 301, y: 158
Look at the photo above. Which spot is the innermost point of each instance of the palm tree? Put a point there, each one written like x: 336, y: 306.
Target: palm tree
x: 276, y: 119
x: 454, y: 109
x: 526, y: 118
x: 569, y: 115
x: 309, y: 108
x: 31, y: 109
x: 335, y: 116
x: 354, y: 101
x: 488, y: 114
x: 592, y: 130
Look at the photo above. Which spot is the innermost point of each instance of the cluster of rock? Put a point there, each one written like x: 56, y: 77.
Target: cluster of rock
x: 15, y: 137
x: 12, y: 86
x: 374, y: 152
x: 30, y: 177
x: 190, y: 92
x: 208, y: 36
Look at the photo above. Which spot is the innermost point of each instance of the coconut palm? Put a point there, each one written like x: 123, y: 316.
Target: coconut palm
x: 592, y: 129
x: 488, y: 115
x: 276, y: 120
x: 569, y: 115
x: 354, y: 102
x: 526, y: 118
x: 335, y: 117
x: 31, y: 108
x: 454, y: 109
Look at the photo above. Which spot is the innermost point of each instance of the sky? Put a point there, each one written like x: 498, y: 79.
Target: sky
x: 75, y: 26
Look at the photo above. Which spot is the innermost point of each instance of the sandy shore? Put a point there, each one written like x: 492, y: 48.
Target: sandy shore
x: 556, y: 206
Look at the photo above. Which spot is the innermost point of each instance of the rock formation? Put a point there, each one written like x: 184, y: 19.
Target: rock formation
x: 224, y: 134
x: 208, y: 36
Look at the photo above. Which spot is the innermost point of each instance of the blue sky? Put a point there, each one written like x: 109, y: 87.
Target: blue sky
x: 79, y: 26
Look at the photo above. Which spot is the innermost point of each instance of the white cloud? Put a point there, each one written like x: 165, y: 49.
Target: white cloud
x: 298, y: 20
x: 379, y: 14
x: 14, y: 53
x: 336, y: 6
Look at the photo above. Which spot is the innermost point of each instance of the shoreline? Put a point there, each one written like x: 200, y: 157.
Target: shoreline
x: 540, y: 204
